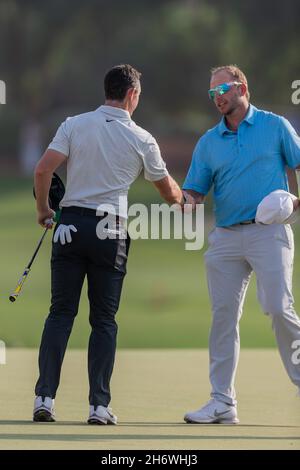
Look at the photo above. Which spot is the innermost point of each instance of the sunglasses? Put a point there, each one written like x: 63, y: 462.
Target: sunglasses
x: 221, y: 89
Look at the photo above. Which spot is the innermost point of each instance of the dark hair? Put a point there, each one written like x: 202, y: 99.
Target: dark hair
x: 118, y: 80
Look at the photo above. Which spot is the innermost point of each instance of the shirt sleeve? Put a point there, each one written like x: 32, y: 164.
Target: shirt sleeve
x: 154, y: 166
x: 61, y: 140
x: 290, y: 143
x: 199, y: 177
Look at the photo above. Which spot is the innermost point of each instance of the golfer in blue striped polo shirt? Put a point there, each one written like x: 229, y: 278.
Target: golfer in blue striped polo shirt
x: 243, y: 158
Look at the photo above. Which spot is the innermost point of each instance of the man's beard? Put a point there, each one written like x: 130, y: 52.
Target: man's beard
x: 231, y: 110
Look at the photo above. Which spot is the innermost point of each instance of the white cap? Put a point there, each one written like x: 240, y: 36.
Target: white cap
x: 277, y: 208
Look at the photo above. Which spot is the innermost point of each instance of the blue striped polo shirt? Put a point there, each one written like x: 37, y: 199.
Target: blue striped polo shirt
x: 243, y: 166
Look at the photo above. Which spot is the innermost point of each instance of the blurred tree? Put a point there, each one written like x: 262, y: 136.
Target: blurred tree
x: 53, y: 56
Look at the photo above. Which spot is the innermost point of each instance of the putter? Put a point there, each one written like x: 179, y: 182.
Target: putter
x: 56, y: 194
x: 16, y: 292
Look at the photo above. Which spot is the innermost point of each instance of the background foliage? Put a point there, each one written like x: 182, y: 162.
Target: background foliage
x: 53, y: 56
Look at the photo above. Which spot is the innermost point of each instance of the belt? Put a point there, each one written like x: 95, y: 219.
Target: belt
x: 86, y: 211
x: 247, y: 222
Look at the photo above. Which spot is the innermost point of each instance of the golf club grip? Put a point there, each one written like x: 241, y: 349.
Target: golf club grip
x: 13, y: 296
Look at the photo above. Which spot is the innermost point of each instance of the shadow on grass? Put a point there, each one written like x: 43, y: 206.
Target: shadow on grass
x: 100, y: 435
x: 146, y: 424
x: 138, y: 437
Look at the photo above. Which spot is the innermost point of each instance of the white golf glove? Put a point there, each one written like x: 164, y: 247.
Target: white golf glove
x: 63, y: 233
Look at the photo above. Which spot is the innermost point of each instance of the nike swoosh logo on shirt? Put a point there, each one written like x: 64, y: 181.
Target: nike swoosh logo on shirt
x: 109, y: 120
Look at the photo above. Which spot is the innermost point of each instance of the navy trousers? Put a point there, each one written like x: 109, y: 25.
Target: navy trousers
x: 103, y: 261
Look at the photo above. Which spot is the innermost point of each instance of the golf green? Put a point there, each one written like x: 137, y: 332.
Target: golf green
x: 151, y: 390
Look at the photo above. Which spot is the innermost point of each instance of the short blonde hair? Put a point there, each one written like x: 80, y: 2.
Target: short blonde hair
x: 236, y: 73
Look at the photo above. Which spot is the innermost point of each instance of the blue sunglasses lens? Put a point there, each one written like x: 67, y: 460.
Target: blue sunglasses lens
x: 220, y: 90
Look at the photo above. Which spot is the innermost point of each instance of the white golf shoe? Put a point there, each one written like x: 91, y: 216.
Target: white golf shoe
x: 101, y: 415
x: 214, y: 412
x: 43, y: 410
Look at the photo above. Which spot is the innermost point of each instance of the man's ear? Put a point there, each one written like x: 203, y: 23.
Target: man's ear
x: 243, y: 89
x: 130, y: 93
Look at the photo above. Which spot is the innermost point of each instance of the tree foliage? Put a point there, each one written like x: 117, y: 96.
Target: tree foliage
x: 53, y: 55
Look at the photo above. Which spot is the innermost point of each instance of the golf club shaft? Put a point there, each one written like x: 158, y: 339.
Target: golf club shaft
x: 23, y: 278
x: 37, y: 248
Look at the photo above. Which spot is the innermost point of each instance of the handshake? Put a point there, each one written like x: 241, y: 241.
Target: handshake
x: 189, y: 201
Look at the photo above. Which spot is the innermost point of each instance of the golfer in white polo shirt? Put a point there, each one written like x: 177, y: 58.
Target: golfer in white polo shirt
x: 105, y: 151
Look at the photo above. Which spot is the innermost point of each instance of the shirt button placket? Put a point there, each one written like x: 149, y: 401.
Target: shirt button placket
x: 240, y: 140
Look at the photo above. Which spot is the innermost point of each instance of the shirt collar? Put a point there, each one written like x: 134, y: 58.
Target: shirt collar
x: 115, y: 112
x: 249, y: 118
x: 222, y: 128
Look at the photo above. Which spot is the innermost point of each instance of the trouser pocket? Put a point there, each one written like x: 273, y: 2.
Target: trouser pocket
x: 122, y: 254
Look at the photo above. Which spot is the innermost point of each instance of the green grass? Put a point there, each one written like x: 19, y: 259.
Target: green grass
x: 164, y: 302
x: 151, y: 391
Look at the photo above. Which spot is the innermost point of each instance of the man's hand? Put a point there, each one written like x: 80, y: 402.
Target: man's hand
x: 45, y: 217
x: 296, y: 204
x: 188, y: 203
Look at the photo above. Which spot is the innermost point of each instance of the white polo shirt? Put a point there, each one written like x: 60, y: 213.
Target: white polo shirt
x: 106, y: 152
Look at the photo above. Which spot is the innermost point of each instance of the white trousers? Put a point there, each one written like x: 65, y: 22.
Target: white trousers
x: 233, y: 254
